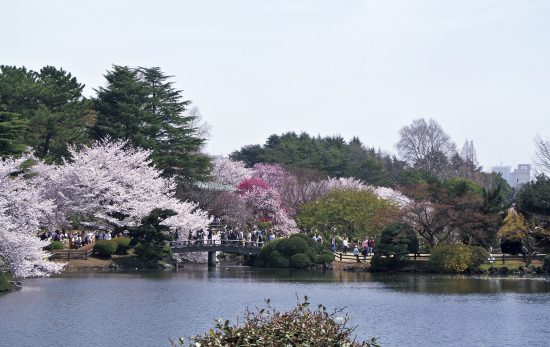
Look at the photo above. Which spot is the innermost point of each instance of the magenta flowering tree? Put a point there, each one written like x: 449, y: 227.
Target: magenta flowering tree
x: 266, y: 203
x: 253, y: 183
x: 23, y: 211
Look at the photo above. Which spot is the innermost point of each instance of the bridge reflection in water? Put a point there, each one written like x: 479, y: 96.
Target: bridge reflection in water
x: 240, y: 247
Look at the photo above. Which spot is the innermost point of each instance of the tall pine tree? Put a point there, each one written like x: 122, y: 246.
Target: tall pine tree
x: 143, y: 106
x: 12, y: 130
x: 50, y: 104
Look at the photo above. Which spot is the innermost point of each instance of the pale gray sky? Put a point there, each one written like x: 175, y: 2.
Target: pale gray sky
x: 479, y: 68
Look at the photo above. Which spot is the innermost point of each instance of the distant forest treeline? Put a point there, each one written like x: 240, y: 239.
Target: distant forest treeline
x: 334, y: 156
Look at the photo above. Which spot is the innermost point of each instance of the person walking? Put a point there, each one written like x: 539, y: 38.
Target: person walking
x: 356, y: 253
x: 345, y: 245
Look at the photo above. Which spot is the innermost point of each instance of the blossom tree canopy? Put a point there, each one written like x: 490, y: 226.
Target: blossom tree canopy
x: 229, y: 173
x: 23, y: 211
x: 345, y: 183
x: 250, y: 184
x: 353, y: 183
x: 273, y: 174
x: 114, y: 185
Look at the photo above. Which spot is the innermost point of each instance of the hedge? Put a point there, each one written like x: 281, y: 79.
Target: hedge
x: 105, y: 248
x: 123, y: 244
x: 56, y: 245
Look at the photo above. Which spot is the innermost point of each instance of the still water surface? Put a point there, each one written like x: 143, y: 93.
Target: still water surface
x: 146, y: 309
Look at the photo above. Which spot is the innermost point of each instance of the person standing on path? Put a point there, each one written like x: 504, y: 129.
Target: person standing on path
x: 356, y: 253
x: 345, y: 245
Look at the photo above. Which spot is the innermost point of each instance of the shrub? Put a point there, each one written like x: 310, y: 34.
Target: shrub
x: 152, y: 251
x: 293, y: 245
x: 454, y: 258
x: 325, y: 257
x: 56, y: 245
x: 105, y: 248
x: 278, y: 253
x: 123, y: 244
x: 479, y: 255
x: 269, y: 247
x: 5, y: 277
x: 300, y: 260
x: 270, y: 327
x: 276, y: 259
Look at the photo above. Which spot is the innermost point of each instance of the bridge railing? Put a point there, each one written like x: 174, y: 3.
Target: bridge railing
x: 216, y: 243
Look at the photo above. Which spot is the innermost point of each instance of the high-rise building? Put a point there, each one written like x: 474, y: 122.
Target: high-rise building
x: 520, y: 176
x: 505, y: 172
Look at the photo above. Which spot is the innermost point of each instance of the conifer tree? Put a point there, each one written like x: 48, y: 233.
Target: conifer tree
x: 143, y: 106
x: 50, y: 104
x: 12, y: 129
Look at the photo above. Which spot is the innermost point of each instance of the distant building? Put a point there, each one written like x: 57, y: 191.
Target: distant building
x: 520, y: 176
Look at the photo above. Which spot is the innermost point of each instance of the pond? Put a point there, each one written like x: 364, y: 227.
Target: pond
x: 146, y: 309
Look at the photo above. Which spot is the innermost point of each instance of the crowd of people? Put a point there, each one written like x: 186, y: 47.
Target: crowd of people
x: 228, y: 235
x: 364, y: 247
x: 75, y: 239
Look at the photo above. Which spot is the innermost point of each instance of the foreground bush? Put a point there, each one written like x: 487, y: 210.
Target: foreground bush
x: 270, y: 327
x: 105, y: 248
x: 456, y: 258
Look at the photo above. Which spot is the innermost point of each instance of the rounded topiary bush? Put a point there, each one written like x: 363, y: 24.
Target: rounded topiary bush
x: 276, y: 259
x: 56, y: 245
x: 105, y: 248
x: 293, y: 245
x: 325, y: 257
x: 300, y: 260
x: 278, y: 253
x: 123, y: 244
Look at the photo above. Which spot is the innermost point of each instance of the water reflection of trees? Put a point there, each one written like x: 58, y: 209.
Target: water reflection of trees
x: 462, y: 284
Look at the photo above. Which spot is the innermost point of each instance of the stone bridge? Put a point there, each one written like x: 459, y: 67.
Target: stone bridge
x: 212, y: 246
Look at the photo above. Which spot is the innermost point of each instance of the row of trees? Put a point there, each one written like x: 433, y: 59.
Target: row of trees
x: 108, y: 185
x: 449, y: 198
x: 47, y: 111
x: 425, y: 151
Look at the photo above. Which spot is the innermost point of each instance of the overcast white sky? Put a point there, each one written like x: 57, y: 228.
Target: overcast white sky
x: 367, y: 68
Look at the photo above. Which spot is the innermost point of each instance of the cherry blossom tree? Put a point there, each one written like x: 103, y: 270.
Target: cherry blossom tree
x: 112, y: 184
x: 275, y: 175
x: 23, y: 211
x: 229, y: 173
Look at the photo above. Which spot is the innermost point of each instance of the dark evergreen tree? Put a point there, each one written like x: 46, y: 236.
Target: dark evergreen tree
x: 330, y: 155
x: 62, y: 116
x: 396, y: 242
x: 141, y: 105
x: 151, y: 235
x: 50, y: 103
x: 12, y: 130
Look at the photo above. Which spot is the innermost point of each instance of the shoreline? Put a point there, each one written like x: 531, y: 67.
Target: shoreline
x: 131, y: 264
